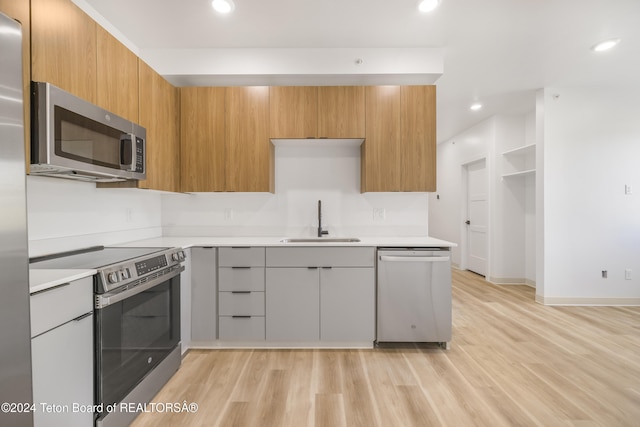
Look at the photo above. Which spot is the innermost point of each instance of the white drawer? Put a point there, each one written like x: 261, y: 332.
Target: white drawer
x: 241, y: 257
x: 241, y: 279
x: 241, y: 303
x: 241, y: 328
x: 58, y: 305
x: 315, y: 256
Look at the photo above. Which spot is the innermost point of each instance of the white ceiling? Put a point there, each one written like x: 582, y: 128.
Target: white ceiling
x: 498, y: 52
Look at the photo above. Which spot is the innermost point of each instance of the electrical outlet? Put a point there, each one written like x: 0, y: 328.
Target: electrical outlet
x: 128, y: 214
x: 228, y: 214
x: 628, y: 189
x: 627, y: 274
x: 604, y: 274
x: 379, y: 214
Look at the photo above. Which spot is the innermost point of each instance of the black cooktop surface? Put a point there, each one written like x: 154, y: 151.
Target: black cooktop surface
x: 90, y: 258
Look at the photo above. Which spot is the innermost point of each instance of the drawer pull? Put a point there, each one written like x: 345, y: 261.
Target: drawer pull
x: 240, y: 268
x: 327, y: 268
x: 312, y: 268
x: 241, y: 317
x: 79, y: 318
x: 240, y: 292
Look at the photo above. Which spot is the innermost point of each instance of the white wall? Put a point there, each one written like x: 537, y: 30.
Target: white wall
x: 591, y: 150
x: 445, y: 213
x: 64, y: 215
x: 511, y: 235
x: 304, y: 175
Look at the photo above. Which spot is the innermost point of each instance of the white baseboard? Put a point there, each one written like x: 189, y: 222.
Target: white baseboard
x: 511, y: 281
x: 588, y: 301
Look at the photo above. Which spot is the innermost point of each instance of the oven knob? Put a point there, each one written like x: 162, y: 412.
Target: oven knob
x: 125, y: 273
x: 181, y: 255
x: 175, y: 257
x: 113, y: 277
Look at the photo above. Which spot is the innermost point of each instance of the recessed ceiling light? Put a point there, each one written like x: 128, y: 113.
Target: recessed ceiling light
x: 426, y: 6
x: 476, y: 106
x: 605, y: 45
x: 223, y: 6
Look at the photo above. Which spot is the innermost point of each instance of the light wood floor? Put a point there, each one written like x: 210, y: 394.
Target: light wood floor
x: 512, y: 363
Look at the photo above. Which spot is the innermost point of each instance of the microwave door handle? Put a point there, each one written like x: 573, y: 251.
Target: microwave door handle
x: 131, y: 166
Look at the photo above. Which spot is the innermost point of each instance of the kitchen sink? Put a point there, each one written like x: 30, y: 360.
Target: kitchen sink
x: 321, y: 240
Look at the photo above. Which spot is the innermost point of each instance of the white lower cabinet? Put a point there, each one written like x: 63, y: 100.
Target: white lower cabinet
x: 320, y: 294
x: 347, y: 304
x: 185, y: 304
x: 293, y: 304
x: 62, y: 355
x: 204, y: 295
x: 241, y: 296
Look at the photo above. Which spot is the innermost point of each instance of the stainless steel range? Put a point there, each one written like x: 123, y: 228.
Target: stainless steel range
x: 137, y: 323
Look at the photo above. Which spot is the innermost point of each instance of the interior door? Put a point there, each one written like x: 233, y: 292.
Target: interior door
x: 477, y: 217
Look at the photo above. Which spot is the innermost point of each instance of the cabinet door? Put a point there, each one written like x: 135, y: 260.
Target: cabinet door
x: 185, y: 303
x: 347, y: 304
x: 341, y: 112
x: 418, y: 127
x: 293, y: 111
x: 204, y: 313
x: 117, y: 76
x: 160, y: 115
x: 249, y: 152
x: 62, y: 366
x: 63, y: 47
x: 380, y: 157
x: 202, y: 138
x: 292, y: 304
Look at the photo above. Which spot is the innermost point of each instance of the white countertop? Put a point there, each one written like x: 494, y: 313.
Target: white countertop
x: 39, y: 280
x: 191, y: 241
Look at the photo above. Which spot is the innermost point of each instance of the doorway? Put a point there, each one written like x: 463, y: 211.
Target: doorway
x: 476, y: 216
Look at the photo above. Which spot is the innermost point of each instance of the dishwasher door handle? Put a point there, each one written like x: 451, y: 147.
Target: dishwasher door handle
x: 414, y: 258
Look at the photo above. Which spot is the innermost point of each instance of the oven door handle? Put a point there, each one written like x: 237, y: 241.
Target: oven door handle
x: 105, y: 300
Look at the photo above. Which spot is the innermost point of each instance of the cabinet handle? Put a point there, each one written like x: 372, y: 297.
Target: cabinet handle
x: 240, y: 268
x: 327, y: 268
x: 241, y: 317
x: 240, y: 247
x: 240, y: 292
x: 312, y: 268
x: 79, y: 318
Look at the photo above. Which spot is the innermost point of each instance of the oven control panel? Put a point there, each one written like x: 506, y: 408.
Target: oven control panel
x: 118, y: 275
x: 151, y: 264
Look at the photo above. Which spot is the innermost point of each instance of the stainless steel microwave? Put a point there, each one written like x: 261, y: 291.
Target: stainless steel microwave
x: 72, y: 138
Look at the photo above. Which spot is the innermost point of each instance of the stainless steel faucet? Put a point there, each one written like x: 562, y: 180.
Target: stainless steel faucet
x: 321, y: 232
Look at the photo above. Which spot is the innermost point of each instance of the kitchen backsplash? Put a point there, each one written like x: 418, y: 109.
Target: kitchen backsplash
x: 304, y: 175
x: 65, y: 214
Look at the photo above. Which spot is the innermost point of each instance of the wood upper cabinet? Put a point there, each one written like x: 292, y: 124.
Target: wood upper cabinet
x: 64, y: 47
x: 317, y: 112
x: 202, y: 136
x: 160, y: 115
x: 249, y: 152
x: 399, y: 151
x: 293, y: 111
x: 117, y: 76
x: 418, y: 127
x: 341, y: 112
x: 380, y: 153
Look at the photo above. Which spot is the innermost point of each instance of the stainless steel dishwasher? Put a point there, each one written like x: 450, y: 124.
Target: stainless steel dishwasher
x: 414, y: 295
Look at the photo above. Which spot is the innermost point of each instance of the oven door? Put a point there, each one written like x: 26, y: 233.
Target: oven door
x: 136, y: 329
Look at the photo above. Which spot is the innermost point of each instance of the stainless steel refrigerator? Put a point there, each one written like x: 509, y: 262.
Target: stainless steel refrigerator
x: 15, y: 336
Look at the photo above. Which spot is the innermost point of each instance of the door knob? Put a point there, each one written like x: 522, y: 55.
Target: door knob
x: 467, y: 222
